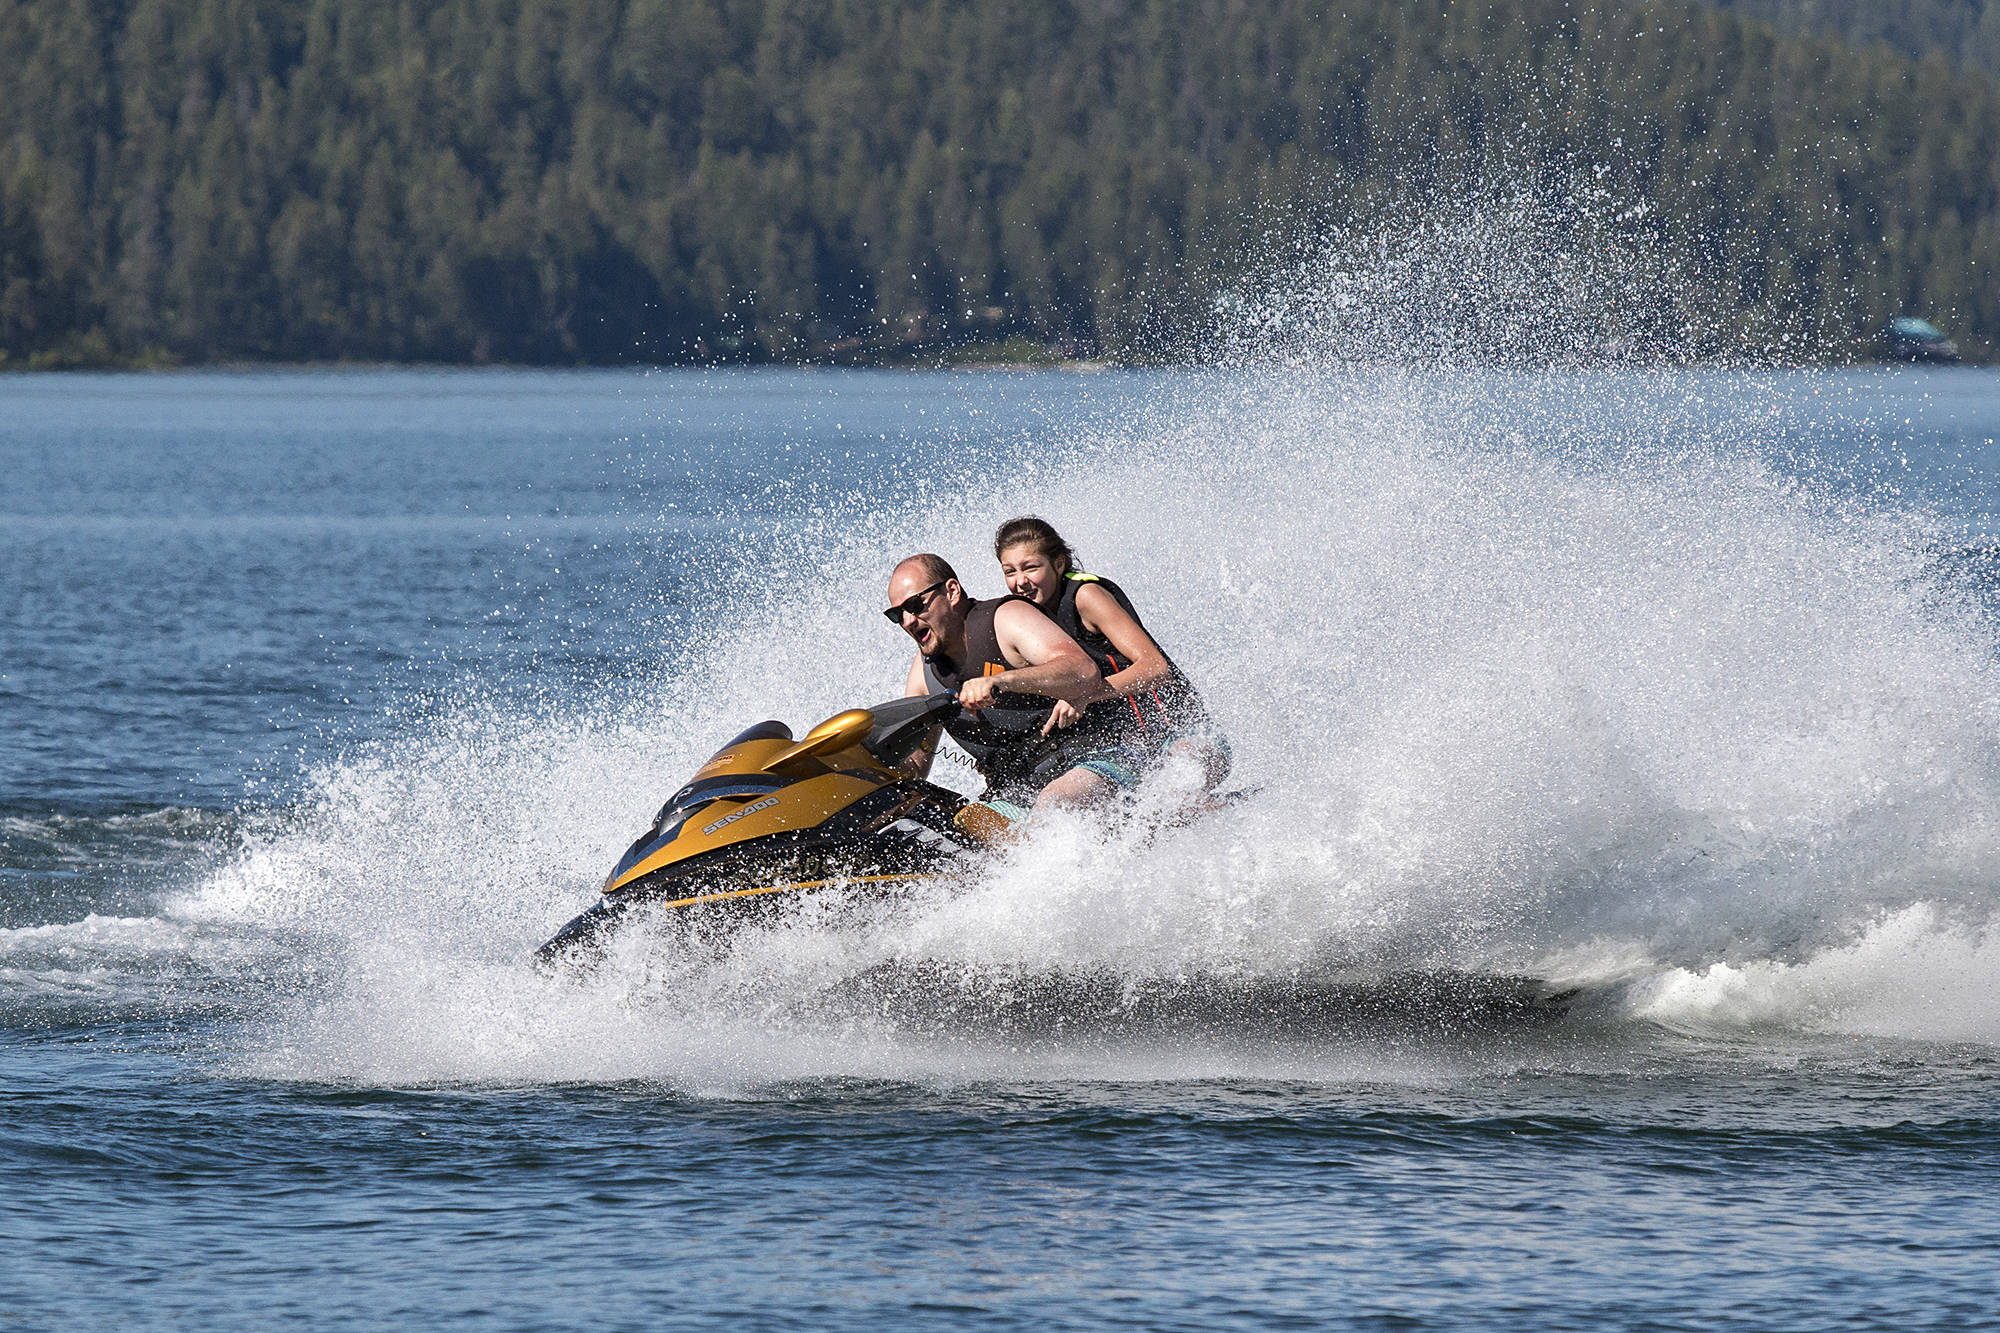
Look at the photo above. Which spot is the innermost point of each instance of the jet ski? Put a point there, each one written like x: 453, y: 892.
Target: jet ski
x: 770, y: 820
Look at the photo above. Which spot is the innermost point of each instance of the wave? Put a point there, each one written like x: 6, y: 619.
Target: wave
x: 109, y: 969
x: 1915, y: 973
x: 63, y: 862
x: 69, y: 836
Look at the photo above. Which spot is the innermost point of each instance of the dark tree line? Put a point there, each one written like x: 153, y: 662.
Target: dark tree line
x: 1964, y: 32
x: 615, y: 180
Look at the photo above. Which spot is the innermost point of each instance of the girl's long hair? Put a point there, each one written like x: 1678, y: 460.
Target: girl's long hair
x: 1028, y: 530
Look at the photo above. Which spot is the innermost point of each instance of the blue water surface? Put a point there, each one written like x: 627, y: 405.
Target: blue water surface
x: 224, y: 587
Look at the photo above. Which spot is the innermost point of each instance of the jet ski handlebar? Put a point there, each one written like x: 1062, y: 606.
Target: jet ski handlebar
x: 901, y: 725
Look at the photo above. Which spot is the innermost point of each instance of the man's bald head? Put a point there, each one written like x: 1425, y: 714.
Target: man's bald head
x: 925, y: 569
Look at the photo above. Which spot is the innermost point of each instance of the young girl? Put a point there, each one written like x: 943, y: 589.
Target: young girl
x: 1166, y: 709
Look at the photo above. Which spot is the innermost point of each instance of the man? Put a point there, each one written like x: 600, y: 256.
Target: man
x: 1008, y: 664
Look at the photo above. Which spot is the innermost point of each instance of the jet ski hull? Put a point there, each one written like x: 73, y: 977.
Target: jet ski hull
x: 766, y: 879
x: 769, y: 822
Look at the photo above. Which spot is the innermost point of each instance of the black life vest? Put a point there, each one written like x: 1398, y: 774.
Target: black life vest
x: 1154, y: 715
x: 1005, y: 738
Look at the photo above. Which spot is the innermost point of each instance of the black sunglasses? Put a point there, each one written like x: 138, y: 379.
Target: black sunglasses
x: 913, y: 605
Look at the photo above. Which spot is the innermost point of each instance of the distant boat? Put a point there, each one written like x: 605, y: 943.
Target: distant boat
x: 1912, y: 339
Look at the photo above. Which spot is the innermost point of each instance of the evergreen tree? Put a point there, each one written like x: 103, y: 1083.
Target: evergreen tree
x: 605, y: 180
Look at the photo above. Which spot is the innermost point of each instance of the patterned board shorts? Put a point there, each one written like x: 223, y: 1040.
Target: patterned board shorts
x: 1112, y: 762
x: 1124, y: 766
x: 1121, y: 767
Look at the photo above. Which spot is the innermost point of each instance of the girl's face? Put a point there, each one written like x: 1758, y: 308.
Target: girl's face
x: 1031, y: 574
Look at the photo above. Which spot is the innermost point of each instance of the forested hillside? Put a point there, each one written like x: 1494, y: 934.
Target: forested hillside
x: 1964, y: 32
x: 610, y: 180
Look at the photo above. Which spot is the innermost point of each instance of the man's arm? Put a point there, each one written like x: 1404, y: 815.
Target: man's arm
x: 1048, y: 661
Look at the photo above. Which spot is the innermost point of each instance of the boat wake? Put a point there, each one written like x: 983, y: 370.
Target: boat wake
x: 1568, y: 698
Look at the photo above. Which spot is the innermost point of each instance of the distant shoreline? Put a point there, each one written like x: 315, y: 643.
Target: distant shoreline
x: 1013, y: 354
x: 915, y: 365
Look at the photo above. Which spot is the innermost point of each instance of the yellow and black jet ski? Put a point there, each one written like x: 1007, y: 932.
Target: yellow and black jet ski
x: 769, y: 819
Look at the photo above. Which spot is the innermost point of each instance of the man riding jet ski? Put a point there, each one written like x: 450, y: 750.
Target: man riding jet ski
x: 769, y: 819
x: 1031, y: 712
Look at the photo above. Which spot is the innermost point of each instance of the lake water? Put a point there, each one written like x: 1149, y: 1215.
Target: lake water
x: 1608, y: 941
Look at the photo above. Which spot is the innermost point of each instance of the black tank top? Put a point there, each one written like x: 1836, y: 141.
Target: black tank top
x: 1005, y: 739
x: 1171, y: 705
